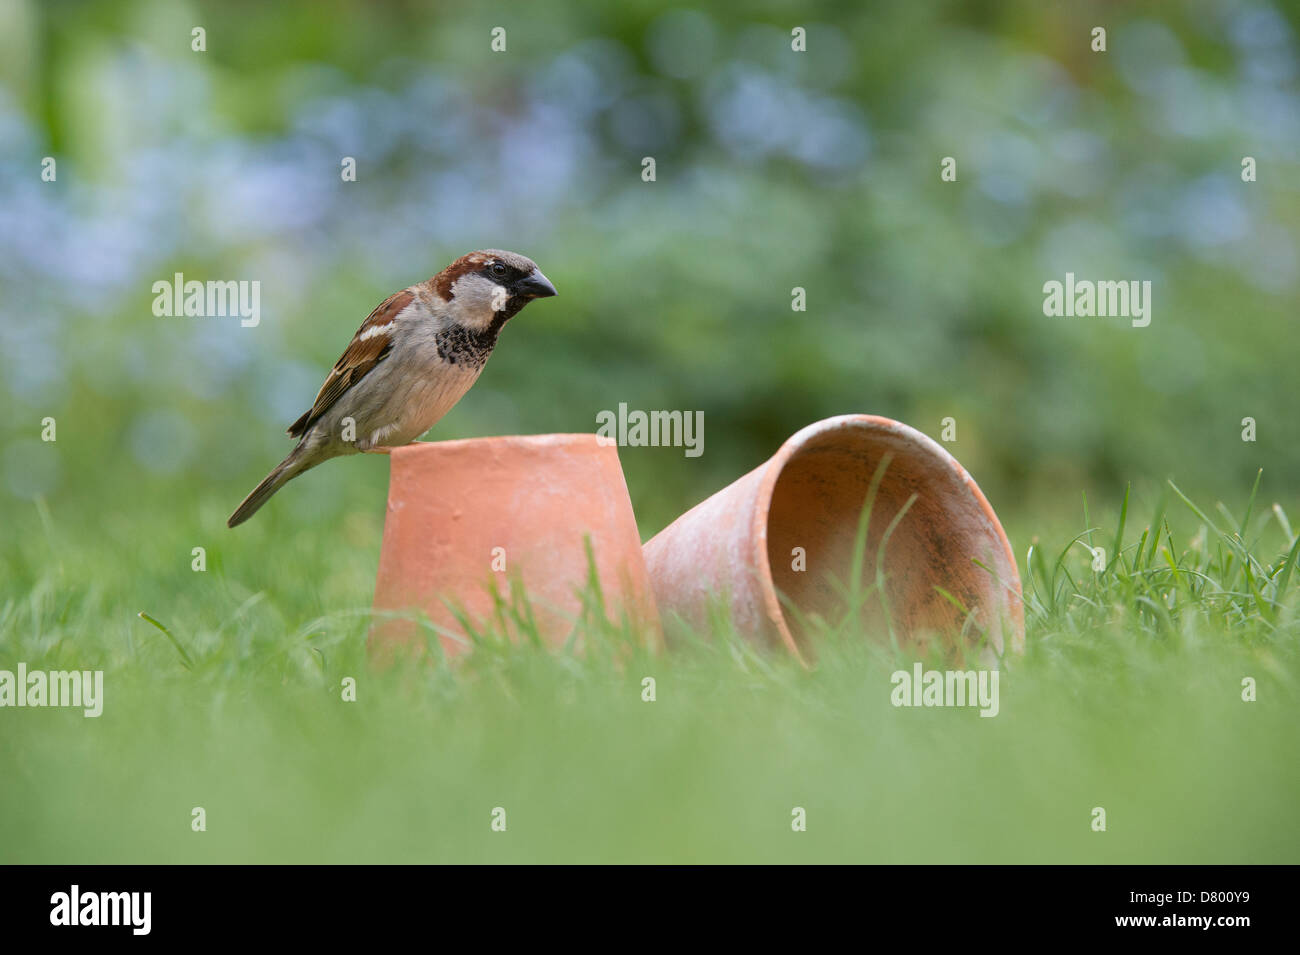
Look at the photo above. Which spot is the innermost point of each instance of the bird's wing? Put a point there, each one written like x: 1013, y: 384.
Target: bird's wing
x: 369, y: 346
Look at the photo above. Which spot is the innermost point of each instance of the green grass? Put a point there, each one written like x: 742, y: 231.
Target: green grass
x: 1128, y: 697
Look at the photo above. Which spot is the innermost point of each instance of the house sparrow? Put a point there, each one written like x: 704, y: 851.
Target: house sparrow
x: 410, y: 361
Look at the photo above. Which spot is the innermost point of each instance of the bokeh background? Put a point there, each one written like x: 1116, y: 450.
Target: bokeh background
x: 775, y: 169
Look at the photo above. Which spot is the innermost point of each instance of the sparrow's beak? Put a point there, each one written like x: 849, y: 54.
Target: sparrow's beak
x: 535, y: 285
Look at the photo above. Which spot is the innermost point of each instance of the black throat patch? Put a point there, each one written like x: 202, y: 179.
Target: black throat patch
x: 458, y: 345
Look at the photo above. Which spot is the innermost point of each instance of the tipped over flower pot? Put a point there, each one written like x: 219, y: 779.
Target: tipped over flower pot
x: 777, y: 547
x: 469, y: 520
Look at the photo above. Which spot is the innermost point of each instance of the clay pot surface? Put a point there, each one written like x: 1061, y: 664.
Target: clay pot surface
x: 738, y: 546
x: 452, y: 504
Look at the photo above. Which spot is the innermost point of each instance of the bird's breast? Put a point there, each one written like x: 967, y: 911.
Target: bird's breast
x: 429, y: 386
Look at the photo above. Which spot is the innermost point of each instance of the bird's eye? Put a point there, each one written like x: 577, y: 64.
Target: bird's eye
x: 498, y: 269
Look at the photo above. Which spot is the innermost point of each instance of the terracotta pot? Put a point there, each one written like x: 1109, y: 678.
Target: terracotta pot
x: 467, y: 517
x: 739, y: 545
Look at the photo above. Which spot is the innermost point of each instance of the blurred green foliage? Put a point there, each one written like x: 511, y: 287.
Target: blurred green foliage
x: 775, y: 169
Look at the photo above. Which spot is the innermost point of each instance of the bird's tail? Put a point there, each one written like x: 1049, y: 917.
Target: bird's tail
x: 285, y: 471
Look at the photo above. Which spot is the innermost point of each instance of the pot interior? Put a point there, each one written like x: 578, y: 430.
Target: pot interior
x: 817, y: 504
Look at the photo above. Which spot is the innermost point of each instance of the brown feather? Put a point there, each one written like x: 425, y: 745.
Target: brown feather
x: 444, y: 280
x: 357, y: 360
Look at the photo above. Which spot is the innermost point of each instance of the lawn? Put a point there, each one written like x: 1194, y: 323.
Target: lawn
x: 1129, y: 697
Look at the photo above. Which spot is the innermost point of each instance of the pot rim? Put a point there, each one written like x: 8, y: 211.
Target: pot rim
x: 561, y: 437
x: 871, y: 423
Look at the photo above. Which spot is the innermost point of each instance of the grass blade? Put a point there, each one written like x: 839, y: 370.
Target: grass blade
x: 185, y: 657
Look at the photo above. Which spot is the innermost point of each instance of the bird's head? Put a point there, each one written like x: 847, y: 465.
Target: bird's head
x: 483, y: 290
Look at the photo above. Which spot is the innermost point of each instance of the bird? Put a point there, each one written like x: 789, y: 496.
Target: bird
x: 408, y: 364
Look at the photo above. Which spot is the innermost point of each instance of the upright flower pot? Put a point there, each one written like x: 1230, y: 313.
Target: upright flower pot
x: 467, y: 520
x: 777, y: 547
